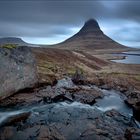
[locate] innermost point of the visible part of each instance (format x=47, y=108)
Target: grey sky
x=44, y=21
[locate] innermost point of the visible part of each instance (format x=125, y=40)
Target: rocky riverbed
x=67, y=111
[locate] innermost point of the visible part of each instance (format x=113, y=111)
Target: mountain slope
x=90, y=37
x=12, y=40
x=15, y=40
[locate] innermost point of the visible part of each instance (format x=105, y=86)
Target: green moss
x=71, y=71
x=48, y=67
x=9, y=46
x=137, y=77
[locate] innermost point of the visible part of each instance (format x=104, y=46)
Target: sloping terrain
x=57, y=62
x=11, y=40
x=90, y=37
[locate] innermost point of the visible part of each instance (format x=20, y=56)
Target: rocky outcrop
x=70, y=122
x=133, y=97
x=64, y=90
x=78, y=77
x=17, y=70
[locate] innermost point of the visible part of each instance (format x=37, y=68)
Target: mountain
x=90, y=37
x=17, y=41
x=12, y=40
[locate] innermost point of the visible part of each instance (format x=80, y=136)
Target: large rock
x=17, y=70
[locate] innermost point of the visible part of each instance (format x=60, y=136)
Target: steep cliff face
x=90, y=37
x=17, y=70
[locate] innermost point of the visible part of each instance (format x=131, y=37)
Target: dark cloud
x=45, y=18
x=27, y=16
x=129, y=10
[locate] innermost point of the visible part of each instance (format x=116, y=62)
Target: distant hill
x=90, y=37
x=16, y=40
x=12, y=40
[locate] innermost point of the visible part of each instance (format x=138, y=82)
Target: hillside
x=90, y=37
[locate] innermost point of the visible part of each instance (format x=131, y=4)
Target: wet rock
x=132, y=97
x=65, y=90
x=16, y=118
x=132, y=133
x=17, y=70
x=49, y=133
x=112, y=113
x=62, y=97
x=7, y=132
x=85, y=95
x=136, y=111
x=38, y=132
x=74, y=121
x=65, y=83
x=49, y=94
x=94, y=133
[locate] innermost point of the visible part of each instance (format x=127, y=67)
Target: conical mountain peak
x=91, y=37
x=90, y=28
x=92, y=23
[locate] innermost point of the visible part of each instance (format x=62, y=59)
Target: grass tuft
x=9, y=46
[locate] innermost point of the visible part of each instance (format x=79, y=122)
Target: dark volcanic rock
x=132, y=133
x=17, y=70
x=70, y=122
x=37, y=132
x=16, y=118
x=7, y=133
x=132, y=97
x=64, y=90
x=136, y=111
x=85, y=95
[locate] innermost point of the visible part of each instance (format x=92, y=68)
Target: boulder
x=17, y=70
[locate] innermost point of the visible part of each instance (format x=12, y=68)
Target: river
x=112, y=100
x=131, y=57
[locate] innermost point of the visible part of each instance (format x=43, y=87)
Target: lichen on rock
x=17, y=70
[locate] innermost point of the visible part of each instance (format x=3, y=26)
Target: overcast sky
x=49, y=22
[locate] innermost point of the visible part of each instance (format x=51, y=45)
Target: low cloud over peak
x=51, y=21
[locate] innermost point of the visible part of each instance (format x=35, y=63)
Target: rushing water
x=112, y=100
x=131, y=57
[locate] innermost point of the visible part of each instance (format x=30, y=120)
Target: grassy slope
x=57, y=63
